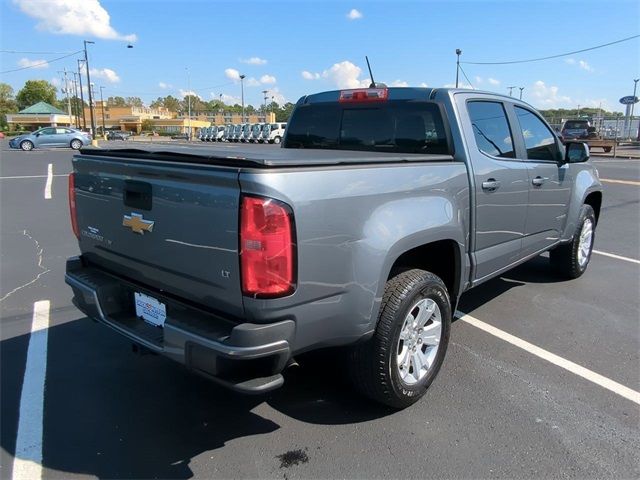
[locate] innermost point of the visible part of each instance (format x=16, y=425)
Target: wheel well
x=441, y=258
x=595, y=200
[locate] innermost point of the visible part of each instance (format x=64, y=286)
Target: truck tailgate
x=171, y=227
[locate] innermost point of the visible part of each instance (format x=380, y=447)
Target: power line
x=34, y=53
x=465, y=76
x=41, y=63
x=554, y=56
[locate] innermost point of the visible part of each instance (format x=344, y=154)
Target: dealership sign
x=629, y=99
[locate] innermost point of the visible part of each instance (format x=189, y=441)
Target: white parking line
x=585, y=373
x=34, y=176
x=621, y=182
x=27, y=462
x=617, y=257
x=47, y=185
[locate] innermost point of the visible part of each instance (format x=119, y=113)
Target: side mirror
x=591, y=129
x=577, y=152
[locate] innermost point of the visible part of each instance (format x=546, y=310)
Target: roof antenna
x=373, y=83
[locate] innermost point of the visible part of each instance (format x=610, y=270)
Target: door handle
x=491, y=185
x=539, y=181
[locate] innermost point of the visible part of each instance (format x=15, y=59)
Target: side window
x=61, y=131
x=538, y=139
x=491, y=129
x=47, y=131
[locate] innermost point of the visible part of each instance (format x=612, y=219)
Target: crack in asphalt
x=39, y=252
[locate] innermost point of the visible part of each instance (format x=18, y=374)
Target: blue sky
x=301, y=47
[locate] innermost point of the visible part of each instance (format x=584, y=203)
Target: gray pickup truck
x=381, y=208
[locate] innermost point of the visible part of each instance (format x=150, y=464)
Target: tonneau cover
x=260, y=156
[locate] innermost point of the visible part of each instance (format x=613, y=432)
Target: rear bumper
x=242, y=356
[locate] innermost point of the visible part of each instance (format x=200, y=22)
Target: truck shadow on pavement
x=113, y=414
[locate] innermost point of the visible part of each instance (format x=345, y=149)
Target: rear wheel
x=76, y=144
x=277, y=140
x=571, y=260
x=26, y=145
x=397, y=365
x=607, y=149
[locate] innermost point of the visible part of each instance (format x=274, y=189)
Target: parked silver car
x=51, y=137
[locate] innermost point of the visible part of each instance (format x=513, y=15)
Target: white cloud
x=493, y=81
x=232, y=74
x=354, y=14
x=345, y=75
x=26, y=63
x=398, y=83
x=543, y=96
x=105, y=74
x=570, y=61
x=277, y=96
x=164, y=86
x=254, y=61
x=478, y=79
x=585, y=66
x=55, y=81
x=72, y=17
x=183, y=93
x=423, y=85
x=310, y=75
x=230, y=99
x=252, y=82
x=267, y=79
x=460, y=85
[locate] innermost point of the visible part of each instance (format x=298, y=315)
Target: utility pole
x=84, y=118
x=458, y=53
x=511, y=91
x=93, y=120
x=264, y=111
x=521, y=89
x=102, y=104
x=242, y=90
x=66, y=91
x=75, y=99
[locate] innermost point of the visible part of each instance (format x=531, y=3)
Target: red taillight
x=72, y=205
x=266, y=248
x=363, y=95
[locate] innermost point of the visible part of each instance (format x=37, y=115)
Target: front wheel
x=76, y=144
x=571, y=260
x=399, y=363
x=26, y=145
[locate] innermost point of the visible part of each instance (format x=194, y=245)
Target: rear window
x=575, y=125
x=402, y=127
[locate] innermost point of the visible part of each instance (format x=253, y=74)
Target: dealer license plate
x=150, y=310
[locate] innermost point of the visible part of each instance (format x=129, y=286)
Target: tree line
x=35, y=91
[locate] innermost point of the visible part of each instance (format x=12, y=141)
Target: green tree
x=283, y=113
x=116, y=102
x=197, y=105
x=35, y=91
x=134, y=102
x=7, y=103
x=147, y=125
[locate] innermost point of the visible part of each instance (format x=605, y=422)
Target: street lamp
x=264, y=111
x=635, y=85
x=242, y=93
x=93, y=120
x=458, y=53
x=521, y=89
x=188, y=103
x=511, y=90
x=84, y=118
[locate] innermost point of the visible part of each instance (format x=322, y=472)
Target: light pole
x=521, y=89
x=93, y=120
x=84, y=118
x=264, y=111
x=242, y=94
x=102, y=104
x=635, y=85
x=511, y=90
x=188, y=104
x=458, y=53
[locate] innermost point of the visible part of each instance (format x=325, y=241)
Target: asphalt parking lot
x=497, y=409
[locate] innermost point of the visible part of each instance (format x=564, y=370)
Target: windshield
x=238, y=129
x=266, y=129
x=257, y=128
x=575, y=125
x=402, y=127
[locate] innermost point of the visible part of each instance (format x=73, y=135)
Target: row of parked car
x=244, y=132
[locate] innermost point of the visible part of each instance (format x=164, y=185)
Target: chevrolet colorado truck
x=382, y=206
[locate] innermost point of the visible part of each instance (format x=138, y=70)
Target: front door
x=46, y=137
x=501, y=186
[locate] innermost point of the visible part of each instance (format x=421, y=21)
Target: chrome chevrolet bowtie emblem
x=138, y=224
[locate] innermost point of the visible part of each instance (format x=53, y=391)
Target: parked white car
x=273, y=132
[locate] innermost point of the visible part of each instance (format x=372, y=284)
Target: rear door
x=550, y=182
x=501, y=184
x=169, y=227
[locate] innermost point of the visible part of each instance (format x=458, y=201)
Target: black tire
x=565, y=259
x=607, y=149
x=373, y=364
x=76, y=144
x=26, y=145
